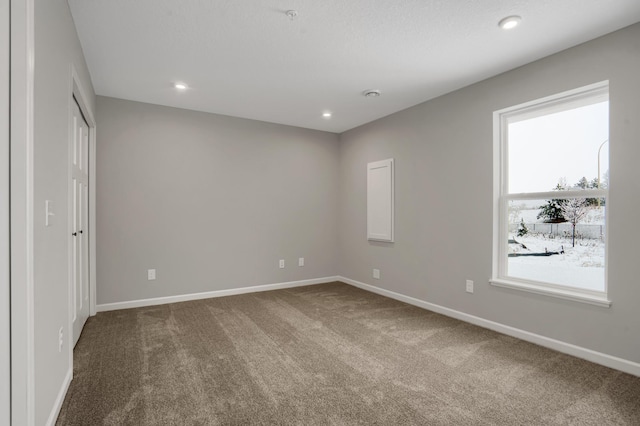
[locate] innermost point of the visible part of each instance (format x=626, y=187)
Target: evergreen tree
x=551, y=212
x=583, y=183
x=522, y=229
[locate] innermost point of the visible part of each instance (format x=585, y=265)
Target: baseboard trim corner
x=210, y=294
x=557, y=345
x=55, y=410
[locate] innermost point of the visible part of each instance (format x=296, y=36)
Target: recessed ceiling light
x=510, y=22
x=180, y=86
x=292, y=14
x=371, y=93
x=326, y=114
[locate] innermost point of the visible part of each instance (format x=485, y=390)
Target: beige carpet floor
x=328, y=354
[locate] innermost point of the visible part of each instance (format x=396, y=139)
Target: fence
x=562, y=229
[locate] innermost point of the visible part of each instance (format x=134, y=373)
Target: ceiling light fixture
x=371, y=93
x=326, y=114
x=180, y=86
x=509, y=22
x=292, y=14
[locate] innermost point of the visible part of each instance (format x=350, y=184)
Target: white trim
x=557, y=345
x=5, y=189
x=79, y=93
x=210, y=294
x=81, y=97
x=570, y=193
x=574, y=98
x=22, y=225
x=55, y=410
x=596, y=298
x=92, y=218
x=70, y=207
x=498, y=236
x=373, y=203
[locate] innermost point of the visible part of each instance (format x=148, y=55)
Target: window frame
x=571, y=99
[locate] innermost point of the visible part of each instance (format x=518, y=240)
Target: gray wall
x=56, y=49
x=5, y=339
x=211, y=202
x=443, y=189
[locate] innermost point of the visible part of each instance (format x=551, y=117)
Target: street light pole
x=600, y=149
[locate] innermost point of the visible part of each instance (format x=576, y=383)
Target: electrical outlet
x=60, y=338
x=151, y=274
x=301, y=261
x=376, y=274
x=281, y=263
x=469, y=286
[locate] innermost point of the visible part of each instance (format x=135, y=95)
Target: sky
x=562, y=145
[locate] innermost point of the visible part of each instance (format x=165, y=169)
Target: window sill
x=567, y=294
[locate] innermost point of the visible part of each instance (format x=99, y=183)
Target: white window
x=551, y=168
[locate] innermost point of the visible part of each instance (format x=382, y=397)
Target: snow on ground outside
x=581, y=266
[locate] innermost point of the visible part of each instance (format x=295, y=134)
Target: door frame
x=21, y=142
x=77, y=94
x=22, y=55
x=5, y=254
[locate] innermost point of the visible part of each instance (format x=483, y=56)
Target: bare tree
x=574, y=210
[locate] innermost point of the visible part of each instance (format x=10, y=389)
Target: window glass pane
x=561, y=147
x=544, y=245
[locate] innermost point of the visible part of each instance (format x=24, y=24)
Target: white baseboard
x=209, y=294
x=53, y=416
x=567, y=348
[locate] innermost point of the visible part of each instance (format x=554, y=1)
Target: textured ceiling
x=246, y=58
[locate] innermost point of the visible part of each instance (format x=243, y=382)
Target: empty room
x=363, y=212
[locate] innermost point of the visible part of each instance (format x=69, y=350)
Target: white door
x=79, y=215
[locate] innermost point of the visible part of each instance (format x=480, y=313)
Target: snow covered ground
x=580, y=266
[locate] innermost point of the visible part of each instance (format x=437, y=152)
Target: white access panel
x=380, y=200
